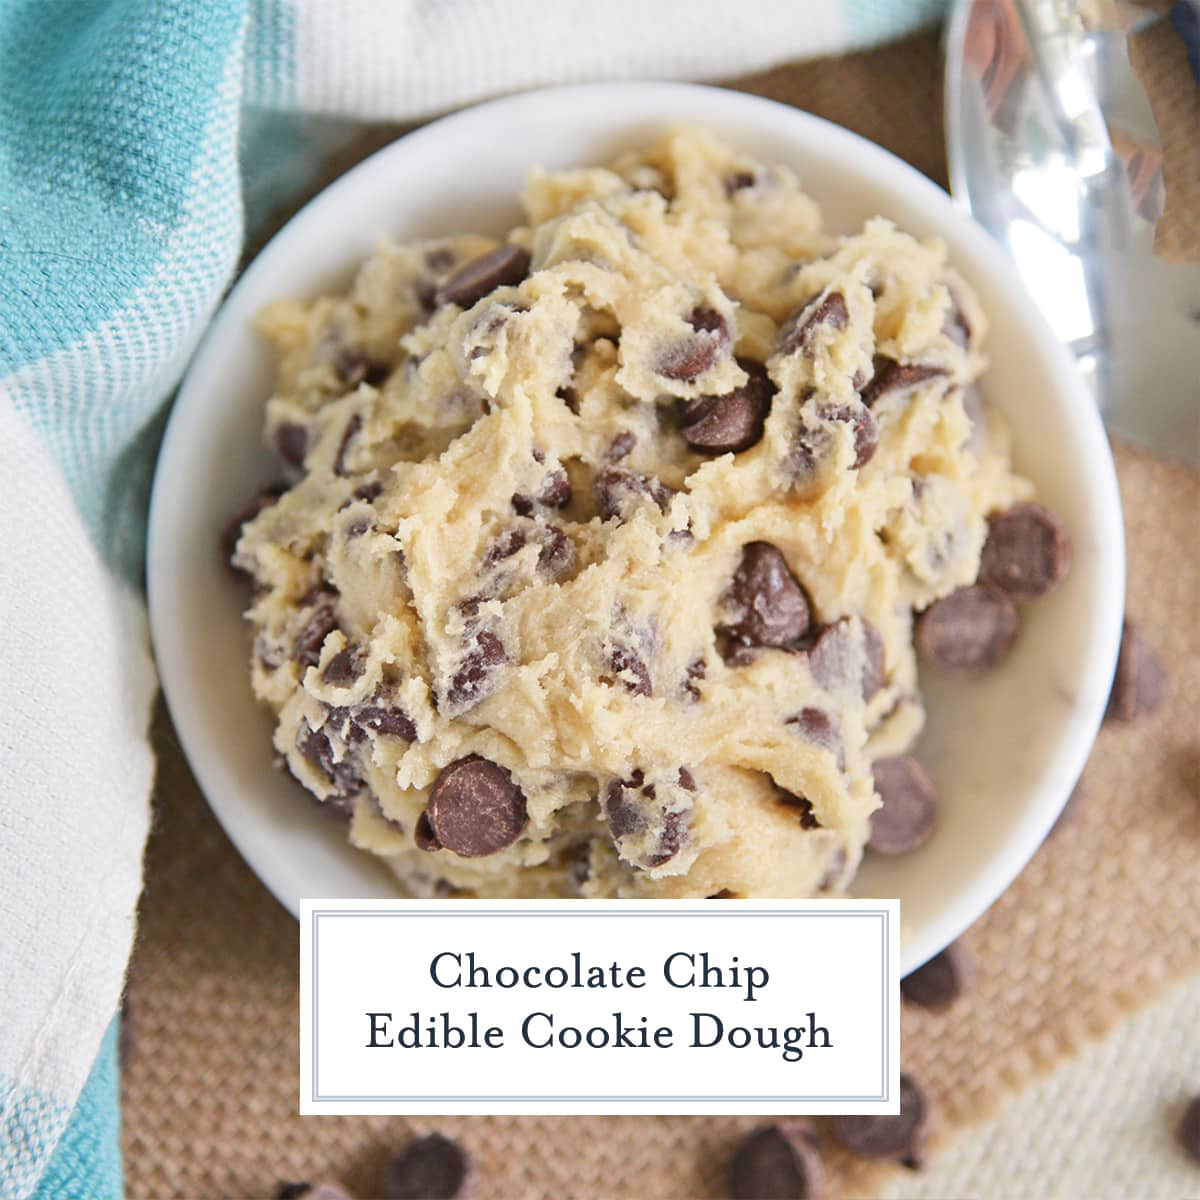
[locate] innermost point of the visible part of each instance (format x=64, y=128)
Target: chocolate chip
x=625, y=816
x=467, y=686
x=940, y=981
x=233, y=529
x=311, y=1191
x=864, y=426
x=423, y=834
x=969, y=630
x=569, y=396
x=619, y=491
x=291, y=443
x=803, y=807
x=353, y=427
x=771, y=607
x=441, y=258
x=832, y=655
x=557, y=555
x=689, y=359
x=555, y=491
x=737, y=181
x=1189, y=1130
x=384, y=719
x=430, y=1168
x=1140, y=683
x=475, y=809
x=887, y=1137
x=315, y=748
x=620, y=446
x=892, y=376
x=631, y=668
x=505, y=545
x=1027, y=552
x=697, y=669
x=817, y=726
x=504, y=266
x=344, y=667
x=310, y=639
x=733, y=421
x=909, y=811
x=771, y=1165
x=829, y=310
x=368, y=491
x=353, y=367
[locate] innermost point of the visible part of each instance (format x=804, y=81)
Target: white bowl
x=1005, y=751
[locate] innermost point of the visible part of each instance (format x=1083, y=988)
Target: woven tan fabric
x=1098, y=924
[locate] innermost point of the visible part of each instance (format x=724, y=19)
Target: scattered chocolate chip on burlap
x=899, y=1137
x=430, y=1168
x=940, y=981
x=1140, y=684
x=776, y=1162
x=1189, y=1129
x=312, y=1191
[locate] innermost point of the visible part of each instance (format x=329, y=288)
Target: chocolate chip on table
x=897, y=1137
x=475, y=809
x=909, y=811
x=291, y=443
x=311, y=1191
x=731, y=422
x=969, y=630
x=233, y=528
x=771, y=1163
x=619, y=490
x=429, y=1168
x=687, y=360
x=829, y=310
x=940, y=981
x=771, y=607
x=832, y=655
x=1140, y=683
x=892, y=376
x=1189, y=1130
x=1027, y=552
x=507, y=265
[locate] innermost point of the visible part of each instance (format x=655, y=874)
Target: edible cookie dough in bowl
x=613, y=544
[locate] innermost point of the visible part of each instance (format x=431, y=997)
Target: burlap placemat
x=1101, y=920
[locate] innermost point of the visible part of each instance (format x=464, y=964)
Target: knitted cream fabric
x=1098, y=925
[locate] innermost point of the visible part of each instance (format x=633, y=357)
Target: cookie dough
x=596, y=566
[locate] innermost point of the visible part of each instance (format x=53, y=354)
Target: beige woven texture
x=1103, y=918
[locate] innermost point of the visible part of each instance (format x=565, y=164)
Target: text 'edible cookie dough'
x=596, y=568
